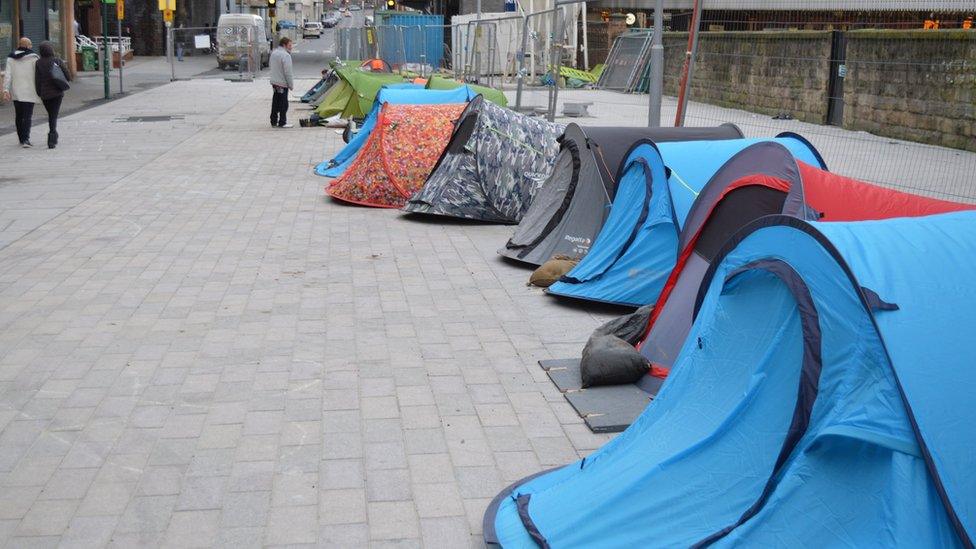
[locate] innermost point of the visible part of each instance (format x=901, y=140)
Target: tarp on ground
x=353, y=95
x=822, y=399
x=398, y=95
x=568, y=212
x=638, y=246
x=398, y=156
x=495, y=162
x=437, y=82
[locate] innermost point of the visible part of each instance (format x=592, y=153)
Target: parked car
x=312, y=29
x=233, y=31
x=286, y=24
x=331, y=20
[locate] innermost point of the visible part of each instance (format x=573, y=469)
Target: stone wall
x=914, y=85
x=765, y=72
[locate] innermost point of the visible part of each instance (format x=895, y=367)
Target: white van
x=233, y=33
x=312, y=29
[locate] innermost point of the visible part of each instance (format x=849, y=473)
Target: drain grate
x=153, y=118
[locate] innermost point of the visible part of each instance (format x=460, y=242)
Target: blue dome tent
x=822, y=398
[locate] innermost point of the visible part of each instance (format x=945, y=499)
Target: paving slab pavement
x=198, y=348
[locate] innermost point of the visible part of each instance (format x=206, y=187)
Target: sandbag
x=549, y=272
x=609, y=360
x=629, y=328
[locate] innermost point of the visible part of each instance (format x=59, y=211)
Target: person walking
x=20, y=86
x=52, y=77
x=281, y=81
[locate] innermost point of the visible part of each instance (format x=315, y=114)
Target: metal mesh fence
x=885, y=93
x=356, y=43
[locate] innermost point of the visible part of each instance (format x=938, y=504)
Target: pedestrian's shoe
x=287, y=126
x=26, y=144
x=52, y=140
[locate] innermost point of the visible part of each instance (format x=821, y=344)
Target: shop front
x=38, y=20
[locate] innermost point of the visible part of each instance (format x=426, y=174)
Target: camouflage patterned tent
x=495, y=162
x=399, y=155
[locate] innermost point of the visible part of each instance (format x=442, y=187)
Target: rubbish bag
x=609, y=360
x=549, y=272
x=629, y=328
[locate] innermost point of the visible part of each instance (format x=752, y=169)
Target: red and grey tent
x=399, y=155
x=763, y=179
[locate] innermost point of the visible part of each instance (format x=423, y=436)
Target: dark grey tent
x=492, y=167
x=567, y=213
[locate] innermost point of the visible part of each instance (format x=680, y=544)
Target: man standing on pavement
x=281, y=81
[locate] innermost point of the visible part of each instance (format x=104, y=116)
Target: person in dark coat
x=49, y=90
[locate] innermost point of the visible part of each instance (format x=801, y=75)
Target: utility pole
x=656, y=86
x=105, y=61
x=689, y=66
x=120, y=13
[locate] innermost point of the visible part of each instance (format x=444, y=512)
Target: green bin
x=89, y=58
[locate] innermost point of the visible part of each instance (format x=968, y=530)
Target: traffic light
x=271, y=8
x=390, y=4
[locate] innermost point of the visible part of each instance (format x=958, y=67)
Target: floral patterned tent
x=399, y=155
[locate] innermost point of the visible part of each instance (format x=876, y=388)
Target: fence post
x=423, y=50
x=554, y=62
x=169, y=51
x=520, y=75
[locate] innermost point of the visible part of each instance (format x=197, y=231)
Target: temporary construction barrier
x=628, y=61
x=800, y=411
x=414, y=95
x=398, y=155
x=638, y=246
x=437, y=82
x=354, y=94
x=495, y=162
x=762, y=179
x=568, y=212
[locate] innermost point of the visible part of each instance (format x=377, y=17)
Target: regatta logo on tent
x=581, y=244
x=578, y=240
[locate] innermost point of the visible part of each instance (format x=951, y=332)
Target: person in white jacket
x=19, y=85
x=282, y=80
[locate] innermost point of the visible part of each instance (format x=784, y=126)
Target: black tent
x=569, y=210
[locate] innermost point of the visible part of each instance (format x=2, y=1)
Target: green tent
x=353, y=96
x=436, y=82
